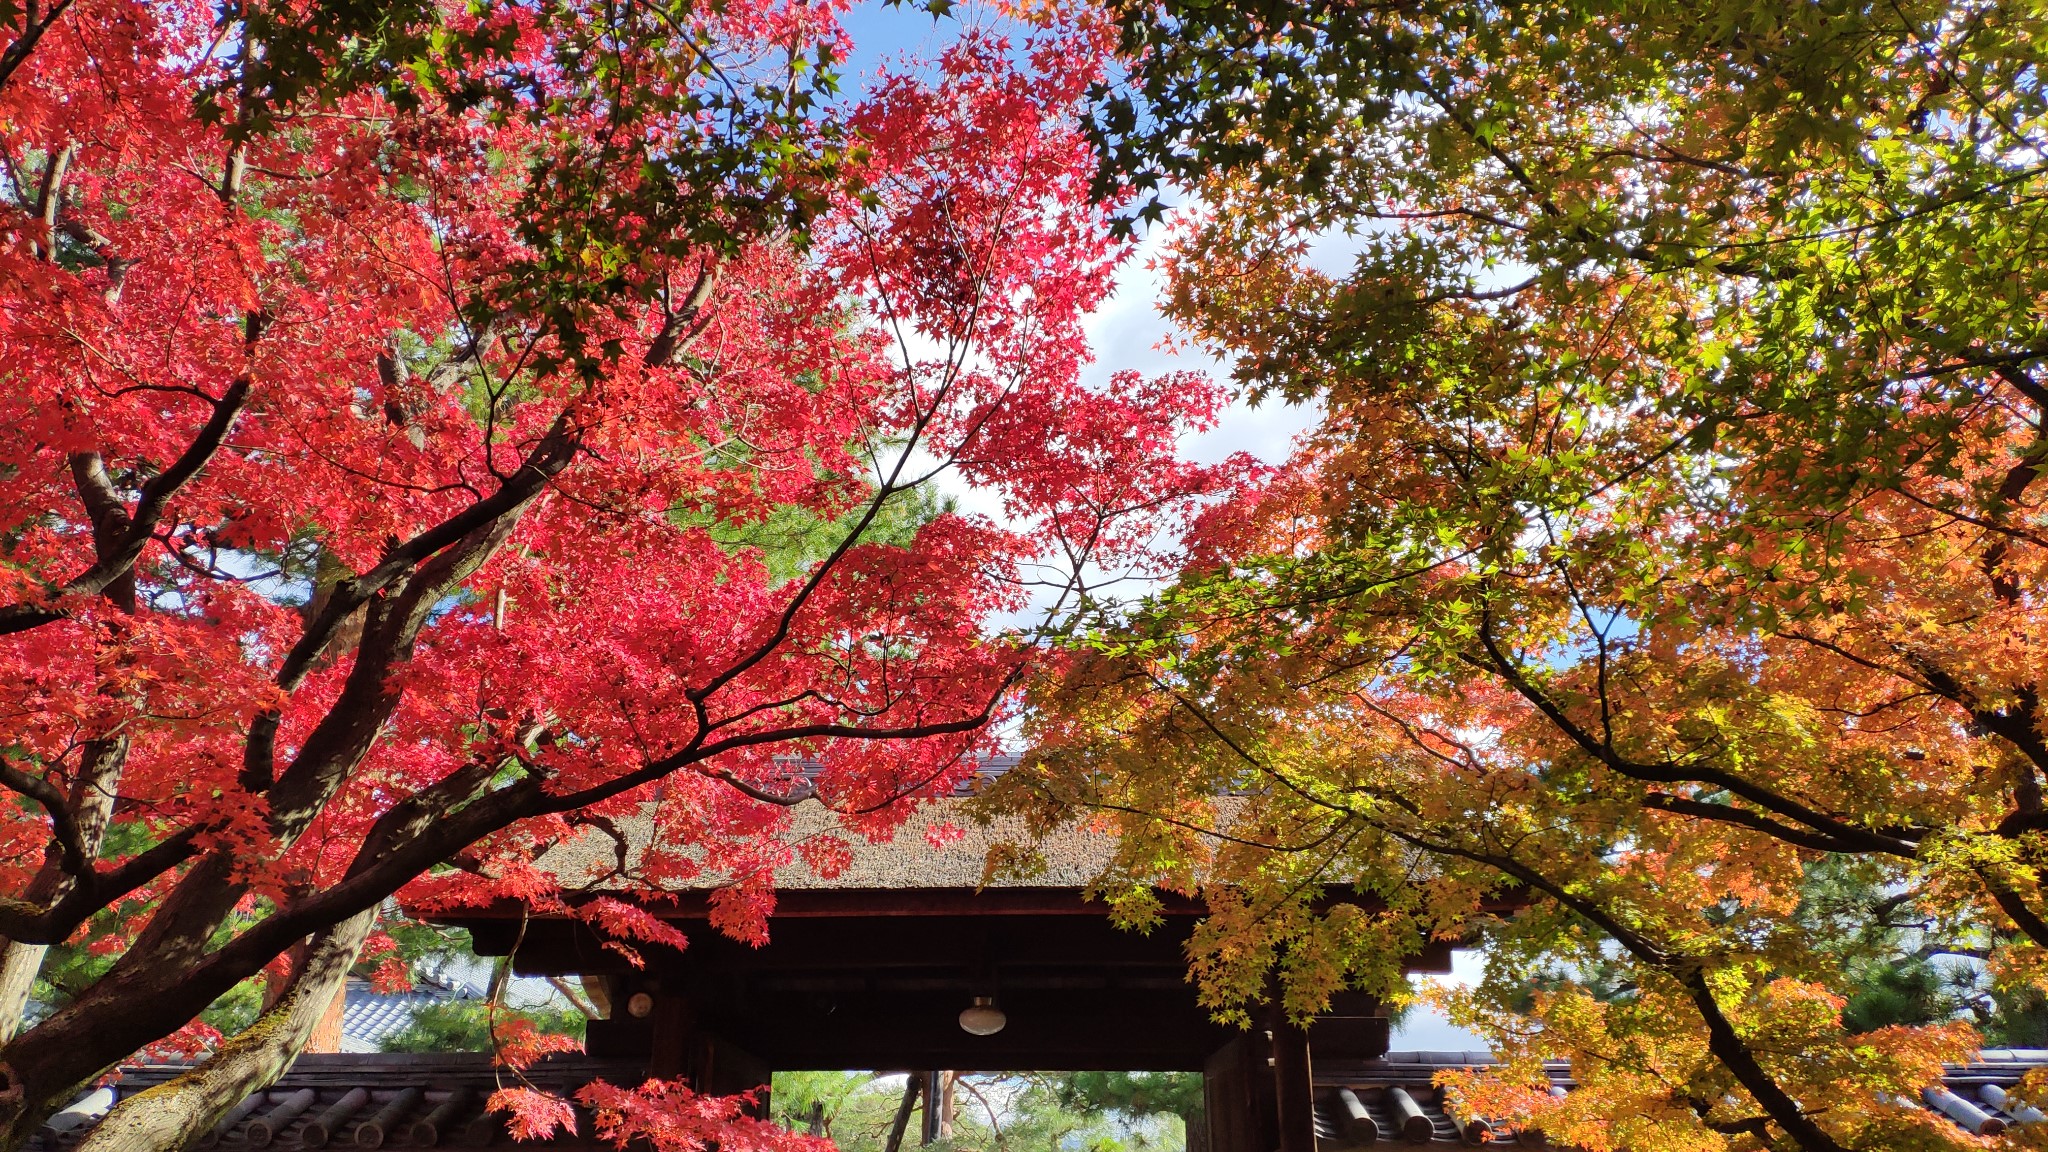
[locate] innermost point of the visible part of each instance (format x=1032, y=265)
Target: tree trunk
x=101, y=761
x=327, y=1034
x=170, y=975
x=151, y=992
x=91, y=802
x=173, y=969
x=173, y=1116
x=19, y=964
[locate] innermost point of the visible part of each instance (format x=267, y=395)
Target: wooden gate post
x=1293, y=1085
x=929, y=1133
x=1237, y=1097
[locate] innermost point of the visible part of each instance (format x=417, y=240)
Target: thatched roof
x=940, y=846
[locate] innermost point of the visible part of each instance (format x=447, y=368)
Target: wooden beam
x=802, y=903
x=1076, y=1029
x=551, y=947
x=850, y=944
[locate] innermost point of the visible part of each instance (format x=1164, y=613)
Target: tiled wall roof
x=369, y=1017
x=406, y=1101
x=362, y=1100
x=1392, y=1100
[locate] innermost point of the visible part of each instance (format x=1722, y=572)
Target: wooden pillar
x=1293, y=1085
x=676, y=1043
x=1237, y=1097
x=932, y=1092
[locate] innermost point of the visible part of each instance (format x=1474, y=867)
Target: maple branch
x=1413, y=736
x=550, y=455
x=772, y=705
x=1486, y=143
x=1209, y=831
x=1802, y=837
x=103, y=505
x=368, y=881
x=108, y=515
x=2017, y=724
x=1757, y=1126
x=1723, y=1040
x=32, y=30
x=2007, y=530
x=449, y=370
x=70, y=838
x=102, y=248
x=698, y=753
x=93, y=890
x=50, y=202
x=96, y=889
x=344, y=733
x=621, y=847
x=1478, y=295
x=370, y=694
x=814, y=581
x=140, y=525
x=1858, y=659
x=672, y=338
x=1202, y=716
x=887, y=489
x=1599, y=632
x=2013, y=489
x=1671, y=771
x=2000, y=362
x=2009, y=370
x=413, y=815
x=2015, y=907
x=1666, y=154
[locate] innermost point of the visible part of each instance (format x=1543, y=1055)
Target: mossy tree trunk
x=174, y=1115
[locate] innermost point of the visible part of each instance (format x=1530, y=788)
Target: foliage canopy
x=430, y=431
x=1671, y=534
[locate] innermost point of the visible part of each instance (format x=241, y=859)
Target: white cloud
x=1130, y=333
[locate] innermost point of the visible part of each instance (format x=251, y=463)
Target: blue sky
x=881, y=31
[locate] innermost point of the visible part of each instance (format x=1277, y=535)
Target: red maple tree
x=398, y=408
